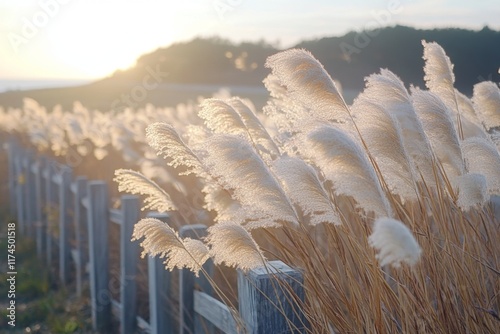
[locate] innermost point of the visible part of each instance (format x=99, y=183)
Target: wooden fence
x=53, y=207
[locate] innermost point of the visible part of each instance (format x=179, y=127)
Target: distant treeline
x=215, y=61
x=350, y=58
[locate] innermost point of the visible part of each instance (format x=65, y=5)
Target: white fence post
x=128, y=264
x=190, y=322
x=79, y=219
x=20, y=199
x=39, y=205
x=64, y=221
x=160, y=310
x=30, y=193
x=267, y=299
x=98, y=254
x=11, y=152
x=49, y=208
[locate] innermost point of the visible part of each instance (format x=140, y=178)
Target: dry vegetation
x=386, y=204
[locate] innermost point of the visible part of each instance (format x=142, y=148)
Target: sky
x=90, y=39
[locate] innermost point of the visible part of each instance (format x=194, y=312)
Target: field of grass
x=385, y=204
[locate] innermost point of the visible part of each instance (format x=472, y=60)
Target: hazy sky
x=86, y=39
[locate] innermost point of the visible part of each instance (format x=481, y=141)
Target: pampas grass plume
x=220, y=117
x=344, y=162
x=168, y=143
x=160, y=239
x=472, y=191
x=382, y=134
x=233, y=245
x=394, y=242
x=482, y=157
x=302, y=185
x=486, y=100
x=236, y=166
x=307, y=81
x=438, y=126
x=261, y=138
x=136, y=183
x=439, y=77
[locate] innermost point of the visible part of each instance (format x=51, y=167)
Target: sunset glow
x=92, y=39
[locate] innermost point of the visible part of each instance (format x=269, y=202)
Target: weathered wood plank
x=39, y=205
x=28, y=193
x=266, y=299
x=80, y=186
x=160, y=315
x=20, y=199
x=189, y=323
x=214, y=312
x=64, y=221
x=49, y=200
x=11, y=153
x=32, y=193
x=130, y=213
x=98, y=255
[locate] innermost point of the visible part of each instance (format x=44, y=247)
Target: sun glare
x=91, y=41
x=96, y=46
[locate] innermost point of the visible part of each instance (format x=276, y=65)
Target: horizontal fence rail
x=53, y=207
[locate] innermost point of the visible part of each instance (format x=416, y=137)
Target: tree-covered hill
x=349, y=59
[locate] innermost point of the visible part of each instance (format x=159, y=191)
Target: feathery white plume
x=344, y=163
x=467, y=108
x=236, y=166
x=307, y=81
x=168, y=143
x=389, y=92
x=235, y=117
x=439, y=77
x=482, y=157
x=382, y=135
x=486, y=100
x=472, y=191
x=286, y=113
x=160, y=239
x=394, y=242
x=256, y=130
x=470, y=124
x=220, y=117
x=219, y=200
x=438, y=126
x=303, y=187
x=274, y=86
x=233, y=245
x=196, y=134
x=136, y=183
